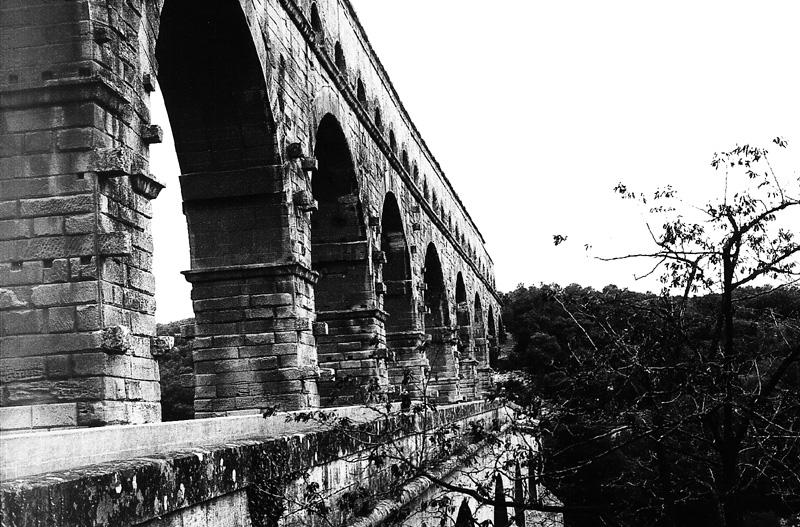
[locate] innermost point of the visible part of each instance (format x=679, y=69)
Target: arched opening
x=437, y=313
x=338, y=233
x=392, y=141
x=361, y=94
x=494, y=348
x=344, y=292
x=404, y=159
x=338, y=58
x=462, y=314
x=443, y=380
x=398, y=300
x=316, y=22
x=378, y=119
x=213, y=87
x=479, y=331
x=415, y=172
x=212, y=82
x=425, y=191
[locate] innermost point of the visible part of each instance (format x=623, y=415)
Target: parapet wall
x=232, y=479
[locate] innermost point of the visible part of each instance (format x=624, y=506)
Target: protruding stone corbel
x=116, y=340
x=320, y=329
x=303, y=324
x=416, y=226
x=304, y=201
x=146, y=185
x=148, y=84
x=160, y=345
x=380, y=288
x=152, y=134
x=327, y=374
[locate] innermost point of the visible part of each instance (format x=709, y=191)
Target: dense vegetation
x=175, y=366
x=627, y=383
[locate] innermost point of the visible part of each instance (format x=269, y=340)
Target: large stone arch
x=403, y=338
x=345, y=296
x=441, y=350
x=466, y=341
x=246, y=86
x=211, y=73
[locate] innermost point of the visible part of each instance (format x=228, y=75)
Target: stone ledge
x=236, y=272
x=130, y=491
x=31, y=453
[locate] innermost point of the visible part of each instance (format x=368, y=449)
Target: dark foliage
x=625, y=383
x=176, y=369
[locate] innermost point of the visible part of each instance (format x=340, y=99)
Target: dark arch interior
x=378, y=120
x=462, y=313
x=437, y=313
x=338, y=57
x=462, y=308
x=361, y=92
x=338, y=233
x=478, y=328
x=215, y=94
x=316, y=22
x=398, y=301
x=493, y=351
x=213, y=87
x=392, y=141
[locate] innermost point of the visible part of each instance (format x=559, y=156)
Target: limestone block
x=15, y=418
x=60, y=319
x=60, y=294
x=117, y=340
x=54, y=415
x=9, y=300
x=22, y=322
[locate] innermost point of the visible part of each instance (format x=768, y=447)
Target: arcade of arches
x=324, y=270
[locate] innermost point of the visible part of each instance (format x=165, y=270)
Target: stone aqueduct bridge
x=331, y=260
x=327, y=246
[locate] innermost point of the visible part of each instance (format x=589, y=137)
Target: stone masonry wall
x=76, y=283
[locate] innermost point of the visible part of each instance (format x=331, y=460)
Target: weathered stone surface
x=222, y=483
x=287, y=271
x=161, y=344
x=9, y=300
x=117, y=340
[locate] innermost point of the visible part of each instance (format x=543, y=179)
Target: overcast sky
x=536, y=110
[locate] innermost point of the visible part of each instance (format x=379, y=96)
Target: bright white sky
x=536, y=109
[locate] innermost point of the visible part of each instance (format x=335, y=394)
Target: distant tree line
x=627, y=394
